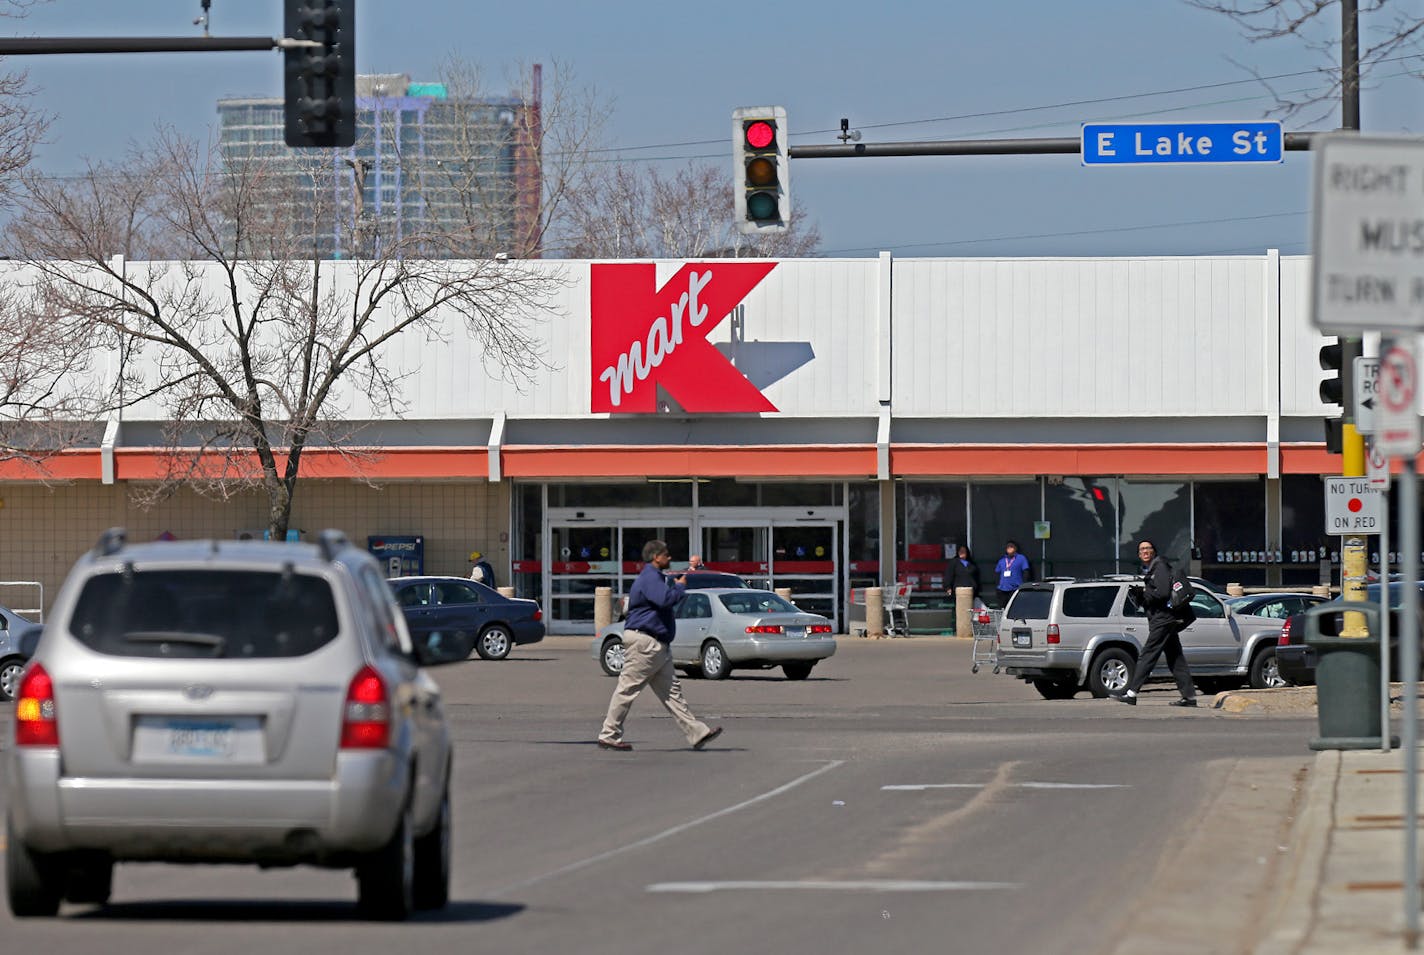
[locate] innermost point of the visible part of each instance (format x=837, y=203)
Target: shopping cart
x=896, y=604
x=986, y=637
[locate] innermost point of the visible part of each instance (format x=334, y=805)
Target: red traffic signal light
x=761, y=169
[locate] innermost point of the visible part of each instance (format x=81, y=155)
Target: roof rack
x=111, y=541
x=330, y=541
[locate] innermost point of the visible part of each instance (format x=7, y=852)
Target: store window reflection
x=1302, y=529
x=1231, y=530
x=1001, y=512
x=1159, y=511
x=1082, y=526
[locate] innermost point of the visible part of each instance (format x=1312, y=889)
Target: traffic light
x=321, y=80
x=1332, y=392
x=1332, y=388
x=761, y=169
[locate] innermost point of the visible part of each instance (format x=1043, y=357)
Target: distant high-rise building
x=436, y=174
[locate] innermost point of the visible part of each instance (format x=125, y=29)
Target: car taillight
x=36, y=720
x=538, y=614
x=819, y=628
x=1053, y=633
x=764, y=628
x=366, y=723
x=1284, y=639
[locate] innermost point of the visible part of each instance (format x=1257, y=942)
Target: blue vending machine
x=401, y=555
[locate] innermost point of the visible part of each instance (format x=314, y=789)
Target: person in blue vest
x=1009, y=573
x=483, y=571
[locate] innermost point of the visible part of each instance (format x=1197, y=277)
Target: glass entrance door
x=738, y=547
x=803, y=558
x=633, y=535
x=580, y=558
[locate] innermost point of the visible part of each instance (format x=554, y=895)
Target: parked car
x=1297, y=661
x=1277, y=606
x=1063, y=636
x=12, y=661
x=440, y=608
x=723, y=629
x=228, y=702
x=694, y=580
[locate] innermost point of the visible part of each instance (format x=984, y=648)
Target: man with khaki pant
x=649, y=628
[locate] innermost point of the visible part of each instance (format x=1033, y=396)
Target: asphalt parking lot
x=893, y=802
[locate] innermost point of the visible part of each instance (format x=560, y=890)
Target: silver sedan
x=722, y=629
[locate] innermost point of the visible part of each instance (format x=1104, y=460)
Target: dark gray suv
x=228, y=702
x=1063, y=636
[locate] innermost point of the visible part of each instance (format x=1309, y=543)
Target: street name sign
x=1366, y=379
x=1127, y=144
x=1397, y=417
x=1352, y=506
x=1368, y=233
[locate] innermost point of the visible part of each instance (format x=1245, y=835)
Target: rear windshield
x=1089, y=601
x=1029, y=604
x=702, y=580
x=205, y=613
x=755, y=601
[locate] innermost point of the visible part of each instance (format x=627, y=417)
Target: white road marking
x=918, y=787
x=666, y=833
x=855, y=885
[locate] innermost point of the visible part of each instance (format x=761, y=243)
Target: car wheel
x=495, y=642
x=1056, y=689
x=432, y=860
x=714, y=661
x=797, y=671
x=10, y=670
x=385, y=879
x=610, y=656
x=34, y=882
x=90, y=882
x=1110, y=672
x=1265, y=673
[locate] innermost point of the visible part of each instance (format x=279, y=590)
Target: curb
x=1294, y=913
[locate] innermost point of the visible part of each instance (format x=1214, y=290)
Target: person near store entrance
x=963, y=573
x=1164, y=627
x=647, y=633
x=695, y=563
x=483, y=571
x=1009, y=573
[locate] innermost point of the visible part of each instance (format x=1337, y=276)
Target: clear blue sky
x=897, y=70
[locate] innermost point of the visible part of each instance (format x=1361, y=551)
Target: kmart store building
x=815, y=424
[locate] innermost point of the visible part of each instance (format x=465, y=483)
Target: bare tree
x=22, y=125
x=252, y=347
x=1390, y=33
x=634, y=211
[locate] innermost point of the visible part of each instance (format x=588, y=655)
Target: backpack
x=1181, y=595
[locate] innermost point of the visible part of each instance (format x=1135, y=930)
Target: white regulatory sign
x=1376, y=467
x=1366, y=377
x=1369, y=209
x=1397, y=397
x=1352, y=506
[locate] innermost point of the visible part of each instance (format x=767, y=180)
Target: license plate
x=1023, y=638
x=796, y=631
x=182, y=739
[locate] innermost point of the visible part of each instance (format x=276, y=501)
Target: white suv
x=1069, y=635
x=228, y=702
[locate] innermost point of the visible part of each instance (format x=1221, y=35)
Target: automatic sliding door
x=742, y=548
x=803, y=559
x=633, y=535
x=581, y=559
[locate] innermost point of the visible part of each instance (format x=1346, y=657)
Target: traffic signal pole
x=21, y=46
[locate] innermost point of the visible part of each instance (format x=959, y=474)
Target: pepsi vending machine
x=401, y=555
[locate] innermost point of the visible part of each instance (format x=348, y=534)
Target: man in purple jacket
x=649, y=628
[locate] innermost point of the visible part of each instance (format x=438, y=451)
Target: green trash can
x=1347, y=677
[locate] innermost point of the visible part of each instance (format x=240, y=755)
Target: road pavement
x=894, y=802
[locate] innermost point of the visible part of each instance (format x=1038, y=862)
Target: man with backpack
x=1167, y=599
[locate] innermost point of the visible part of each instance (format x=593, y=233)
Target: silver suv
x=1069, y=635
x=228, y=702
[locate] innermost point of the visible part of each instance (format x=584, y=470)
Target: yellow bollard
x=874, y=613
x=785, y=594
x=964, y=611
x=602, y=608
x=1235, y=590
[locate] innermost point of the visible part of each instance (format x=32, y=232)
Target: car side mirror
x=29, y=638
x=444, y=647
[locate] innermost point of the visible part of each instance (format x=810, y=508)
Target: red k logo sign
x=643, y=336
